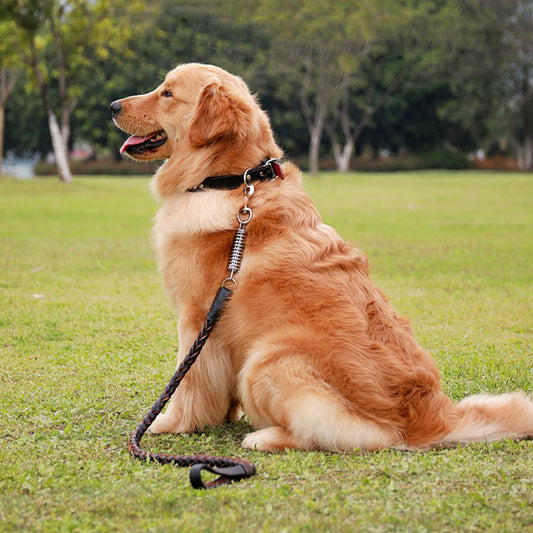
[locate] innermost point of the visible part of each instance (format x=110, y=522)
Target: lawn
x=88, y=341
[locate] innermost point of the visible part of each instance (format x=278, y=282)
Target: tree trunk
x=314, y=150
x=315, y=132
x=59, y=134
x=7, y=84
x=525, y=154
x=343, y=157
x=65, y=136
x=60, y=150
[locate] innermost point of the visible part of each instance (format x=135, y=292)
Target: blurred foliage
x=398, y=76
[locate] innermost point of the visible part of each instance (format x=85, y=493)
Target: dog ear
x=219, y=114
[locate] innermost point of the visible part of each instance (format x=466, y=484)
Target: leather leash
x=228, y=469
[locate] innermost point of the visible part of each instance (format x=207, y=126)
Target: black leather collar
x=267, y=170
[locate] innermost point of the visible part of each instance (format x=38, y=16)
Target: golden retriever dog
x=307, y=346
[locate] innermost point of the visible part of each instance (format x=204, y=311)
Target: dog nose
x=116, y=108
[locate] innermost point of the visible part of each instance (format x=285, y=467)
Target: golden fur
x=307, y=346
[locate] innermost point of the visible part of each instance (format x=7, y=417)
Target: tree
x=357, y=104
x=56, y=38
x=8, y=75
x=486, y=54
x=318, y=45
x=26, y=123
x=355, y=70
x=396, y=45
x=324, y=47
x=517, y=81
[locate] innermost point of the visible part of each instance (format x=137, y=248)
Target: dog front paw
x=168, y=424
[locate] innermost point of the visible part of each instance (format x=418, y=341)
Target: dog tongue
x=135, y=139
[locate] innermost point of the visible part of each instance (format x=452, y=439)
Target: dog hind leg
x=271, y=439
x=296, y=409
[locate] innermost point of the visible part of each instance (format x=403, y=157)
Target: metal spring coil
x=237, y=250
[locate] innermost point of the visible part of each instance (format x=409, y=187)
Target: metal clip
x=244, y=216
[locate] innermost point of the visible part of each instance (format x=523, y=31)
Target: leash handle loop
x=226, y=475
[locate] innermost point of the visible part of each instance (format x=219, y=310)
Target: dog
x=307, y=346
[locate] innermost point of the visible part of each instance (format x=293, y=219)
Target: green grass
x=88, y=340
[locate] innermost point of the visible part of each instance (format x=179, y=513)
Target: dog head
x=202, y=119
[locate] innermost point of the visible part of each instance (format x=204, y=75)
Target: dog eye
x=166, y=93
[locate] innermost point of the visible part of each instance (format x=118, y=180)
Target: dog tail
x=485, y=418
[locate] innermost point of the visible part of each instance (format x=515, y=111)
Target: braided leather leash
x=228, y=469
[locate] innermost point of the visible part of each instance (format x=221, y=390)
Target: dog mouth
x=137, y=145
